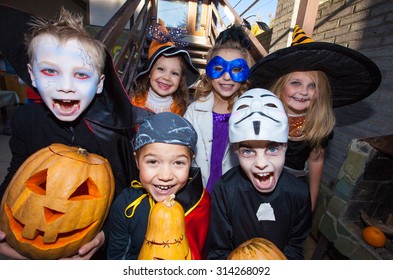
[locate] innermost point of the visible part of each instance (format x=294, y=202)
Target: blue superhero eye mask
x=237, y=69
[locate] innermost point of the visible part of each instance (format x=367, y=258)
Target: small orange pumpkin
x=257, y=249
x=374, y=236
x=56, y=202
x=166, y=233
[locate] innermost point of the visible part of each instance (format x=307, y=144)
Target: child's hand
x=7, y=250
x=88, y=250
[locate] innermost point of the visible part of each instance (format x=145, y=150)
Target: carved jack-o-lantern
x=56, y=202
x=166, y=233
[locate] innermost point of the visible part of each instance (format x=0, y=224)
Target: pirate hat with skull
x=258, y=114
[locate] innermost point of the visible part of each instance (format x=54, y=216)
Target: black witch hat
x=352, y=76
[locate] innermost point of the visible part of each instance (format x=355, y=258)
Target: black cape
x=111, y=116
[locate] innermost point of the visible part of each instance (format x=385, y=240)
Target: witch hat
x=164, y=43
x=352, y=76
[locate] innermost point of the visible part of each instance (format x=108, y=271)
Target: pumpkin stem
x=169, y=201
x=82, y=151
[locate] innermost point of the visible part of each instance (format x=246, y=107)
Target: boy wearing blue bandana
x=226, y=78
x=164, y=147
x=259, y=198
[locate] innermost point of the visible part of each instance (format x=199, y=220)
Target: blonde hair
x=67, y=26
x=320, y=119
x=204, y=86
x=180, y=96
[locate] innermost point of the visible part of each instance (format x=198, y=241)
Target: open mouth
x=300, y=99
x=42, y=240
x=264, y=180
x=164, y=86
x=226, y=86
x=164, y=188
x=66, y=105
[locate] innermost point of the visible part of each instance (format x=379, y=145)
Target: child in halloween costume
x=162, y=83
x=164, y=144
x=258, y=198
x=310, y=78
x=226, y=78
x=67, y=67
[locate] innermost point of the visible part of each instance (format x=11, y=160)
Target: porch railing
x=257, y=50
x=139, y=15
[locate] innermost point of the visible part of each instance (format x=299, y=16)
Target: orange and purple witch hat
x=164, y=43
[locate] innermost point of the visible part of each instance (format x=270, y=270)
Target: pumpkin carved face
x=56, y=202
x=166, y=233
x=257, y=249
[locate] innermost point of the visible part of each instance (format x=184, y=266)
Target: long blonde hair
x=204, y=86
x=320, y=119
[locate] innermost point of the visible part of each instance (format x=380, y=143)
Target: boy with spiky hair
x=67, y=67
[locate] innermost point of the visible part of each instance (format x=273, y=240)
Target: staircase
x=124, y=35
x=197, y=53
x=133, y=52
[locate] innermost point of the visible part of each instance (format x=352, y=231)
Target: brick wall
x=282, y=24
x=366, y=26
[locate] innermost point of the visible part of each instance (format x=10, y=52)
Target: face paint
x=65, y=76
x=237, y=68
